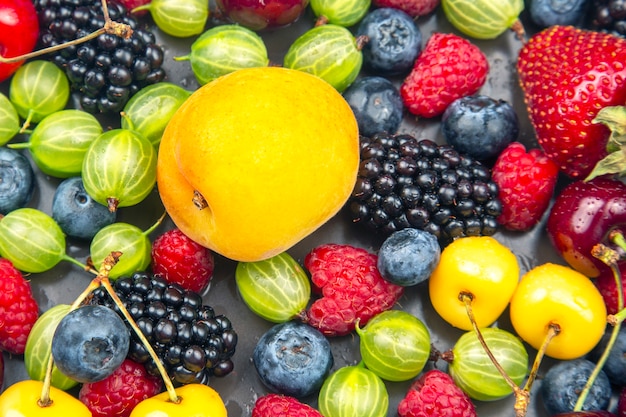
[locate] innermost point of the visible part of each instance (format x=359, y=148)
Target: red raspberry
x=413, y=8
x=449, y=67
x=18, y=308
x=605, y=282
x=120, y=392
x=351, y=286
x=180, y=260
x=277, y=405
x=436, y=394
x=526, y=181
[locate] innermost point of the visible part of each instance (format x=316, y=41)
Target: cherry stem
x=553, y=330
x=521, y=396
x=617, y=237
x=110, y=26
x=610, y=257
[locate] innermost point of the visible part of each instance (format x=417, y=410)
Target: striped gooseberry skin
x=395, y=345
x=341, y=12
x=276, y=289
x=59, y=142
x=39, y=88
x=329, y=52
x=149, y=110
x=38, y=348
x=224, y=49
x=133, y=242
x=119, y=169
x=181, y=18
x=476, y=375
x=482, y=19
x=353, y=391
x=9, y=120
x=31, y=240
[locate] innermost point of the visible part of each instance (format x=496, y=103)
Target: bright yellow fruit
x=256, y=160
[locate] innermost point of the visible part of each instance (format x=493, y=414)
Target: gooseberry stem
x=110, y=26
x=610, y=257
x=521, y=396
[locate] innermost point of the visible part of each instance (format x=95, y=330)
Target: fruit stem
x=553, y=330
x=83, y=266
x=610, y=257
x=617, y=237
x=110, y=26
x=518, y=28
x=156, y=224
x=26, y=123
x=521, y=396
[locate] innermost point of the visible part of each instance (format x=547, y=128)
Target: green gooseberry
x=9, y=120
x=340, y=12
x=474, y=372
x=482, y=19
x=59, y=142
x=180, y=18
x=119, y=168
x=276, y=289
x=224, y=49
x=395, y=345
x=330, y=52
x=151, y=108
x=38, y=88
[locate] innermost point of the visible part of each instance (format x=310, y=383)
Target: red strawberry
x=18, y=308
x=568, y=75
x=436, y=394
x=277, y=405
x=351, y=286
x=413, y=8
x=120, y=392
x=449, y=67
x=526, y=182
x=179, y=259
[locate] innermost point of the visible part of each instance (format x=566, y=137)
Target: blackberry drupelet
x=403, y=182
x=192, y=341
x=609, y=16
x=106, y=71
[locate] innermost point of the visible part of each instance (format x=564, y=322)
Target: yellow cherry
x=556, y=295
x=477, y=266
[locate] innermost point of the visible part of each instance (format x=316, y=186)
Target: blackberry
x=609, y=16
x=406, y=183
x=107, y=70
x=192, y=341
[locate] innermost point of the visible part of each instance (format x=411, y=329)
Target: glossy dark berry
x=376, y=104
x=192, y=341
x=609, y=16
x=17, y=180
x=76, y=212
x=403, y=182
x=564, y=381
x=546, y=13
x=615, y=365
x=293, y=358
x=106, y=71
x=480, y=126
x=394, y=41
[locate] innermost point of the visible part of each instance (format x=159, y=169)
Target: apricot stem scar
x=198, y=200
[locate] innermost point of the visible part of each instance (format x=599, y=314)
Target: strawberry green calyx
x=614, y=117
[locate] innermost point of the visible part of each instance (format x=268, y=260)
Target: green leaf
x=614, y=117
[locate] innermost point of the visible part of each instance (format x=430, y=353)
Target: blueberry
x=565, y=380
x=546, y=13
x=293, y=359
x=89, y=343
x=17, y=180
x=408, y=256
x=615, y=366
x=394, y=41
x=376, y=104
x=78, y=214
x=479, y=126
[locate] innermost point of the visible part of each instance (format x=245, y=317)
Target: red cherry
x=262, y=14
x=608, y=287
x=600, y=413
x=582, y=216
x=19, y=30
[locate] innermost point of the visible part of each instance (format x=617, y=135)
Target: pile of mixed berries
x=431, y=217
